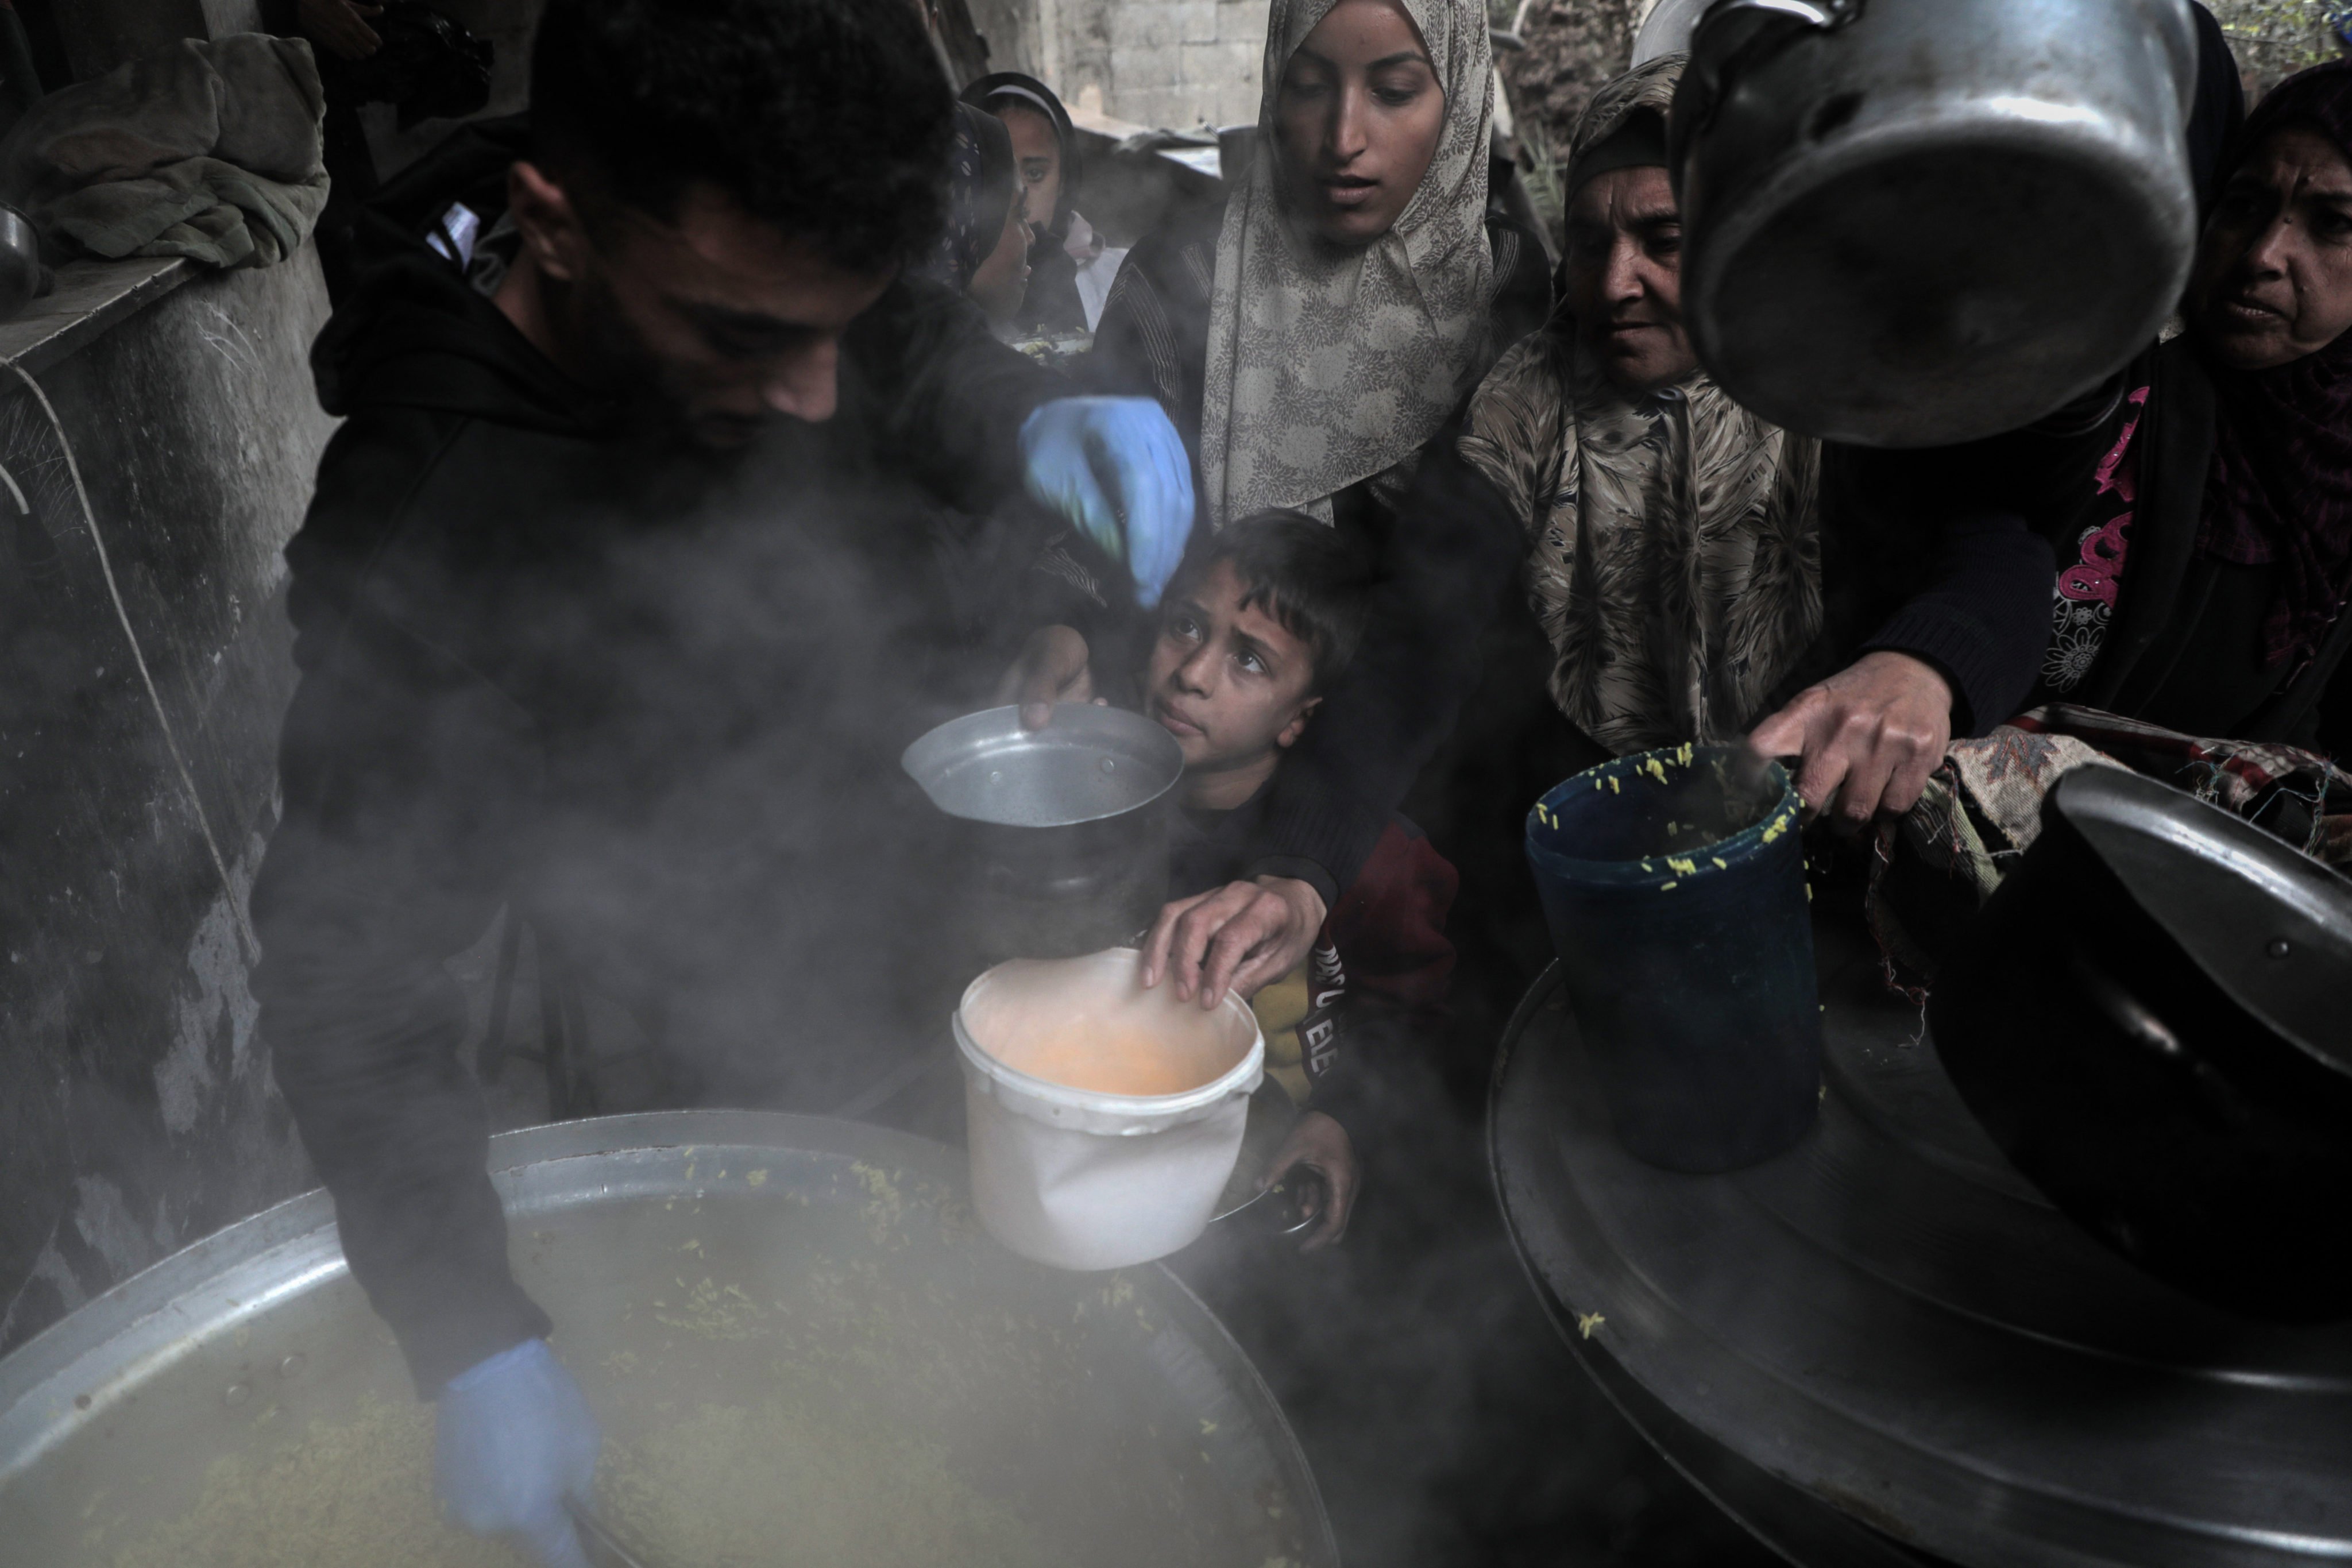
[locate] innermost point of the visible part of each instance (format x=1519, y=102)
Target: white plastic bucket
x=1083, y=1178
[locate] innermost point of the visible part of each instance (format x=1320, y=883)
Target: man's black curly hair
x=825, y=119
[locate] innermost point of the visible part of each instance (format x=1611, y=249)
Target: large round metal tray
x=690, y=1256
x=1884, y=1346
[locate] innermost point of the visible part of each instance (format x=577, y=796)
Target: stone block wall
x=1174, y=63
x=136, y=1108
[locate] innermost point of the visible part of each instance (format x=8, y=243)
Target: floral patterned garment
x=1982, y=808
x=1674, y=537
x=1674, y=541
x=2082, y=603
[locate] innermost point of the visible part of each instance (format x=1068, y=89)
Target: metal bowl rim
x=927, y=759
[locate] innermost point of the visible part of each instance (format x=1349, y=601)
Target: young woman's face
x=1037, y=152
x=1356, y=120
x=1003, y=280
x=2274, y=277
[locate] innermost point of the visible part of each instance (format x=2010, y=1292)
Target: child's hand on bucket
x=1242, y=936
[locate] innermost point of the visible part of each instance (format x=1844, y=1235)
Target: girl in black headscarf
x=1046, y=153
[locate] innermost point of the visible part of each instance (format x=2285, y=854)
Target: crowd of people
x=663, y=517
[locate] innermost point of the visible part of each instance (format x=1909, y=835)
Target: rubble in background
x=1572, y=48
x=2276, y=38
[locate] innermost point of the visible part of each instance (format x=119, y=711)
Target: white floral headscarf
x=1329, y=365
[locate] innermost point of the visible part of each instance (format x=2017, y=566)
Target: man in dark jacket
x=614, y=608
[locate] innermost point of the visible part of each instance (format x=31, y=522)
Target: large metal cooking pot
x=1067, y=841
x=1912, y=222
x=2150, y=1017
x=805, y=1305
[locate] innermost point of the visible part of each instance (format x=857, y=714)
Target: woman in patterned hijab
x=1334, y=354
x=1675, y=539
x=1314, y=333
x=1675, y=551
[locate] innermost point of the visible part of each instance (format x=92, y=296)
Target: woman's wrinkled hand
x=1052, y=667
x=1323, y=1146
x=1240, y=937
x=1868, y=738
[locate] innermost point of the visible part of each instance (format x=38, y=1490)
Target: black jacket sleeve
x=941, y=395
x=1454, y=555
x=1983, y=618
x=1921, y=557
x=406, y=777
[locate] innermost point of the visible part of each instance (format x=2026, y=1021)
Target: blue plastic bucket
x=1673, y=883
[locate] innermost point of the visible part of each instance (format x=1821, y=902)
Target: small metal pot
x=1913, y=223
x=2150, y=1016
x=1067, y=851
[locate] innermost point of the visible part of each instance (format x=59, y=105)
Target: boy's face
x=1231, y=684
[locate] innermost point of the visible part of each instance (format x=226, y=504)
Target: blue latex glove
x=1116, y=466
x=514, y=1438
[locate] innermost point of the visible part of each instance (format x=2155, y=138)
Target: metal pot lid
x=2268, y=924
x=1087, y=763
x=1893, y=1325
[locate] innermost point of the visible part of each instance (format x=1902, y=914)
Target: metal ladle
x=603, y=1543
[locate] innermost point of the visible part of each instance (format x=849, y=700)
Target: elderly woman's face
x=1625, y=278
x=1357, y=121
x=2274, y=277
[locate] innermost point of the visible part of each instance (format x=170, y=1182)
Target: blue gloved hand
x=514, y=1439
x=1116, y=466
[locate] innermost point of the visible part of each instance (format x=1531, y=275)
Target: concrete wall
x=100, y=35
x=1009, y=29
x=136, y=1109
x=1174, y=63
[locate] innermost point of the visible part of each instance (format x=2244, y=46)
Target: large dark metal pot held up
x=1910, y=223
x=2153, y=1018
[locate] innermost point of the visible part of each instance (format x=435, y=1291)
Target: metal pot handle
x=1732, y=31
x=1819, y=13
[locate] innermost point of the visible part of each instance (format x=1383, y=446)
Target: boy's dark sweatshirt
x=1383, y=948
x=649, y=702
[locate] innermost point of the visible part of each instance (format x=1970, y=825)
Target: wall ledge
x=90, y=297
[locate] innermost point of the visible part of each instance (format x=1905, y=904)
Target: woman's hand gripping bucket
x=1104, y=1117
x=1673, y=883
